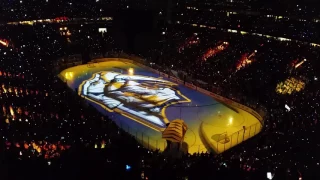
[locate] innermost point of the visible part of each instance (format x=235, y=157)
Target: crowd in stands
x=287, y=133
x=300, y=24
x=49, y=132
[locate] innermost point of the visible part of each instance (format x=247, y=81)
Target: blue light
x=128, y=167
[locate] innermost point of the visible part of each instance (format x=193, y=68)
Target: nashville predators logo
x=140, y=98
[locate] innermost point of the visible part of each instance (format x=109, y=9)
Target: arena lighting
x=68, y=33
x=102, y=30
x=245, y=60
x=287, y=107
x=128, y=167
x=4, y=43
x=213, y=51
x=300, y=63
x=269, y=175
x=69, y=75
x=230, y=121
x=130, y=71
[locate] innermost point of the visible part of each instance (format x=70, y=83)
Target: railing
x=218, y=144
x=225, y=142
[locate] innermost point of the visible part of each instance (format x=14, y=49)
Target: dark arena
x=159, y=89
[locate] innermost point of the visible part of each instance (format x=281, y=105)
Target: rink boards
x=142, y=101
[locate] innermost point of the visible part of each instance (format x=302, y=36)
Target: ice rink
x=142, y=102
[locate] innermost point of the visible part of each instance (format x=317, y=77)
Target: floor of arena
x=142, y=102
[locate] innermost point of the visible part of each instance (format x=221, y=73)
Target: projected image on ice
x=138, y=97
x=144, y=102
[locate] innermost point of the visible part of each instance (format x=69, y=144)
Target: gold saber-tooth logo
x=141, y=98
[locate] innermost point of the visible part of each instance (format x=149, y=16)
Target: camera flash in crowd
x=288, y=108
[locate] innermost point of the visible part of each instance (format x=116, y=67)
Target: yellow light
x=230, y=121
x=4, y=43
x=300, y=63
x=11, y=111
x=69, y=75
x=130, y=71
